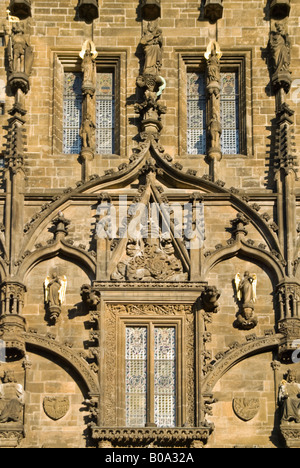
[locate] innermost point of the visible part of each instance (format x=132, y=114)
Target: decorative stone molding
x=67, y=355
x=11, y=435
x=236, y=353
x=160, y=437
x=291, y=434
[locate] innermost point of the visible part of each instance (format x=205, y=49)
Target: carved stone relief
x=150, y=260
x=246, y=408
x=56, y=407
x=12, y=399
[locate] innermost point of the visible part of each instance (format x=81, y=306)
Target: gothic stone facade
x=177, y=340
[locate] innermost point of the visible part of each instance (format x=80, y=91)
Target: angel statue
x=55, y=293
x=246, y=295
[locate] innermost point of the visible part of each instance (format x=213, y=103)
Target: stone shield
x=56, y=407
x=246, y=408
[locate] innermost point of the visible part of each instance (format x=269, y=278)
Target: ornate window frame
x=232, y=60
x=151, y=322
x=69, y=61
x=114, y=318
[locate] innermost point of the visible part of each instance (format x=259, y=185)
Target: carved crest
x=246, y=408
x=56, y=407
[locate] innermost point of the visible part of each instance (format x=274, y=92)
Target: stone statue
x=13, y=396
x=246, y=295
x=213, y=64
x=280, y=48
x=20, y=54
x=55, y=293
x=89, y=68
x=215, y=131
x=87, y=133
x=152, y=45
x=289, y=398
x=246, y=288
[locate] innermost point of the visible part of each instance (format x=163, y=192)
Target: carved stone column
x=88, y=55
x=288, y=294
x=213, y=89
x=12, y=324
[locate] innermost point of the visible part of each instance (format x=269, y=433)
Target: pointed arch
x=248, y=251
x=59, y=249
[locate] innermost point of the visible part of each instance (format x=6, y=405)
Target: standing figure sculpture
x=87, y=133
x=20, y=59
x=280, y=48
x=55, y=292
x=246, y=295
x=289, y=398
x=213, y=55
x=13, y=396
x=215, y=132
x=152, y=44
x=88, y=55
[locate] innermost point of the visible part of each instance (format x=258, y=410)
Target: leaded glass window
x=165, y=377
x=230, y=143
x=196, y=113
x=150, y=361
x=136, y=376
x=72, y=113
x=105, y=113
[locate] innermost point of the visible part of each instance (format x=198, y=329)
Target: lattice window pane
x=230, y=113
x=72, y=113
x=105, y=113
x=165, y=377
x=196, y=113
x=136, y=376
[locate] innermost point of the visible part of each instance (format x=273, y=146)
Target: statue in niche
x=55, y=293
x=289, y=398
x=13, y=396
x=246, y=295
x=88, y=55
x=215, y=131
x=88, y=132
x=20, y=54
x=280, y=46
x=152, y=44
